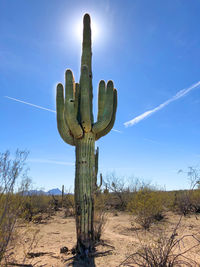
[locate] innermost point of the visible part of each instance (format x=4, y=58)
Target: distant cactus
x=63, y=188
x=76, y=127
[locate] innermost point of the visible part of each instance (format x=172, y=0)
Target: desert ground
x=38, y=244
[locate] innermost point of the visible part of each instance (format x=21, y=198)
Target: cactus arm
x=76, y=103
x=86, y=58
x=96, y=161
x=85, y=99
x=70, y=115
x=61, y=124
x=108, y=110
x=101, y=99
x=110, y=125
x=97, y=187
x=101, y=180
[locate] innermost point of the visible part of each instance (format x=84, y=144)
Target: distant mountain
x=34, y=192
x=55, y=192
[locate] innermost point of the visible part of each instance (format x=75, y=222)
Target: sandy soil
x=122, y=238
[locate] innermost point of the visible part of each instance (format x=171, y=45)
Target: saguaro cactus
x=76, y=127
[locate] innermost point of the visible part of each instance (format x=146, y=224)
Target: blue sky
x=150, y=49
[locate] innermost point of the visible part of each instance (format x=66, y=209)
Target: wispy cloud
x=51, y=162
x=47, y=109
x=117, y=131
x=30, y=104
x=148, y=113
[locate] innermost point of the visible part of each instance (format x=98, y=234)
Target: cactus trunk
x=84, y=191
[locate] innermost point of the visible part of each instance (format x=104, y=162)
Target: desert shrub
x=170, y=200
x=56, y=202
x=195, y=200
x=147, y=205
x=189, y=200
x=183, y=203
x=100, y=219
x=101, y=207
x=68, y=205
x=34, y=205
x=120, y=190
x=10, y=202
x=102, y=202
x=164, y=250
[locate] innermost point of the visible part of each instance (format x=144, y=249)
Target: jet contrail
x=36, y=106
x=148, y=113
x=33, y=105
x=50, y=162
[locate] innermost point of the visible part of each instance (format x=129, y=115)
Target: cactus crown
x=74, y=112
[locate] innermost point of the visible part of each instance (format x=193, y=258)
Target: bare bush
x=188, y=201
x=120, y=189
x=116, y=186
x=10, y=203
x=193, y=175
x=100, y=219
x=101, y=207
x=164, y=251
x=195, y=201
x=183, y=202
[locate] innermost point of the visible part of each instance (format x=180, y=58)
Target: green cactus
x=76, y=127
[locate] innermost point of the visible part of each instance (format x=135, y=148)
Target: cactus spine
x=76, y=127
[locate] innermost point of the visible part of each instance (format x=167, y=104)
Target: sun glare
x=79, y=30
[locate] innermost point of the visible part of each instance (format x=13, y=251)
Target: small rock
x=64, y=250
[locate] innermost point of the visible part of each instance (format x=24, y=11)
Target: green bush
x=102, y=201
x=170, y=200
x=148, y=206
x=10, y=203
x=35, y=204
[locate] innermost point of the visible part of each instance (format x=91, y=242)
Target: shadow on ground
x=77, y=261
